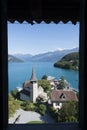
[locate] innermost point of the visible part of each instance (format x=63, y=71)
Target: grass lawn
x=35, y=122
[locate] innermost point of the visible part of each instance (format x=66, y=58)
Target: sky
x=40, y=38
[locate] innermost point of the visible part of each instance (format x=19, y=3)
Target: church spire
x=33, y=76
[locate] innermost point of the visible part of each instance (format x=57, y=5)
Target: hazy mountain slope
x=48, y=56
x=53, y=56
x=24, y=57
x=12, y=58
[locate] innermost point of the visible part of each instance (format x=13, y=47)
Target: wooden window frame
x=4, y=77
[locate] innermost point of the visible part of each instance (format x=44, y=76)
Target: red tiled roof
x=26, y=84
x=63, y=95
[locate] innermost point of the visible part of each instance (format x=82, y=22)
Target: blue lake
x=20, y=72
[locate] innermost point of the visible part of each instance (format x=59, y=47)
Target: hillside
x=23, y=57
x=69, y=61
x=13, y=59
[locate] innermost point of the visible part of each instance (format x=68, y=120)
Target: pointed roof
x=33, y=76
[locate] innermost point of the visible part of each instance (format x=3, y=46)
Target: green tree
x=69, y=61
x=68, y=66
x=28, y=106
x=12, y=105
x=15, y=93
x=68, y=112
x=42, y=109
x=45, y=85
x=44, y=77
x=62, y=83
x=53, y=112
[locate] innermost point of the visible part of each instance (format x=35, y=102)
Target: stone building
x=31, y=91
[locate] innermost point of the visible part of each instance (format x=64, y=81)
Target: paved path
x=22, y=117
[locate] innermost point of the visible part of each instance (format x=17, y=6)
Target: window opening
x=43, y=60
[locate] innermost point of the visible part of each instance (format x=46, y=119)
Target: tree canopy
x=69, y=61
x=12, y=105
x=68, y=112
x=44, y=77
x=62, y=83
x=45, y=84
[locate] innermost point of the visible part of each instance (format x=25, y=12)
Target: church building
x=31, y=91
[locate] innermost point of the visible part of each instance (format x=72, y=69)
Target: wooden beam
x=3, y=65
x=83, y=67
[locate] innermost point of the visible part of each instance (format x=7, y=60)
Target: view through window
x=43, y=71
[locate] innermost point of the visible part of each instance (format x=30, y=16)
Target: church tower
x=33, y=86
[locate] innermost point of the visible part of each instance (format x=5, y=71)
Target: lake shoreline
x=18, y=73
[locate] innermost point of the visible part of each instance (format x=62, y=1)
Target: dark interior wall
x=44, y=10
x=3, y=64
x=4, y=74
x=83, y=64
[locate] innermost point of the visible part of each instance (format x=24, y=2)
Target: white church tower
x=33, y=86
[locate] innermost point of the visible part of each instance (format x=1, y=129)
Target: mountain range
x=45, y=57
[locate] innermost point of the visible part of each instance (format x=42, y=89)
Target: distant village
x=60, y=91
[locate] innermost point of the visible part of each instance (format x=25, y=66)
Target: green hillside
x=69, y=61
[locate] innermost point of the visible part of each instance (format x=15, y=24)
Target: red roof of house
x=63, y=95
x=26, y=84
